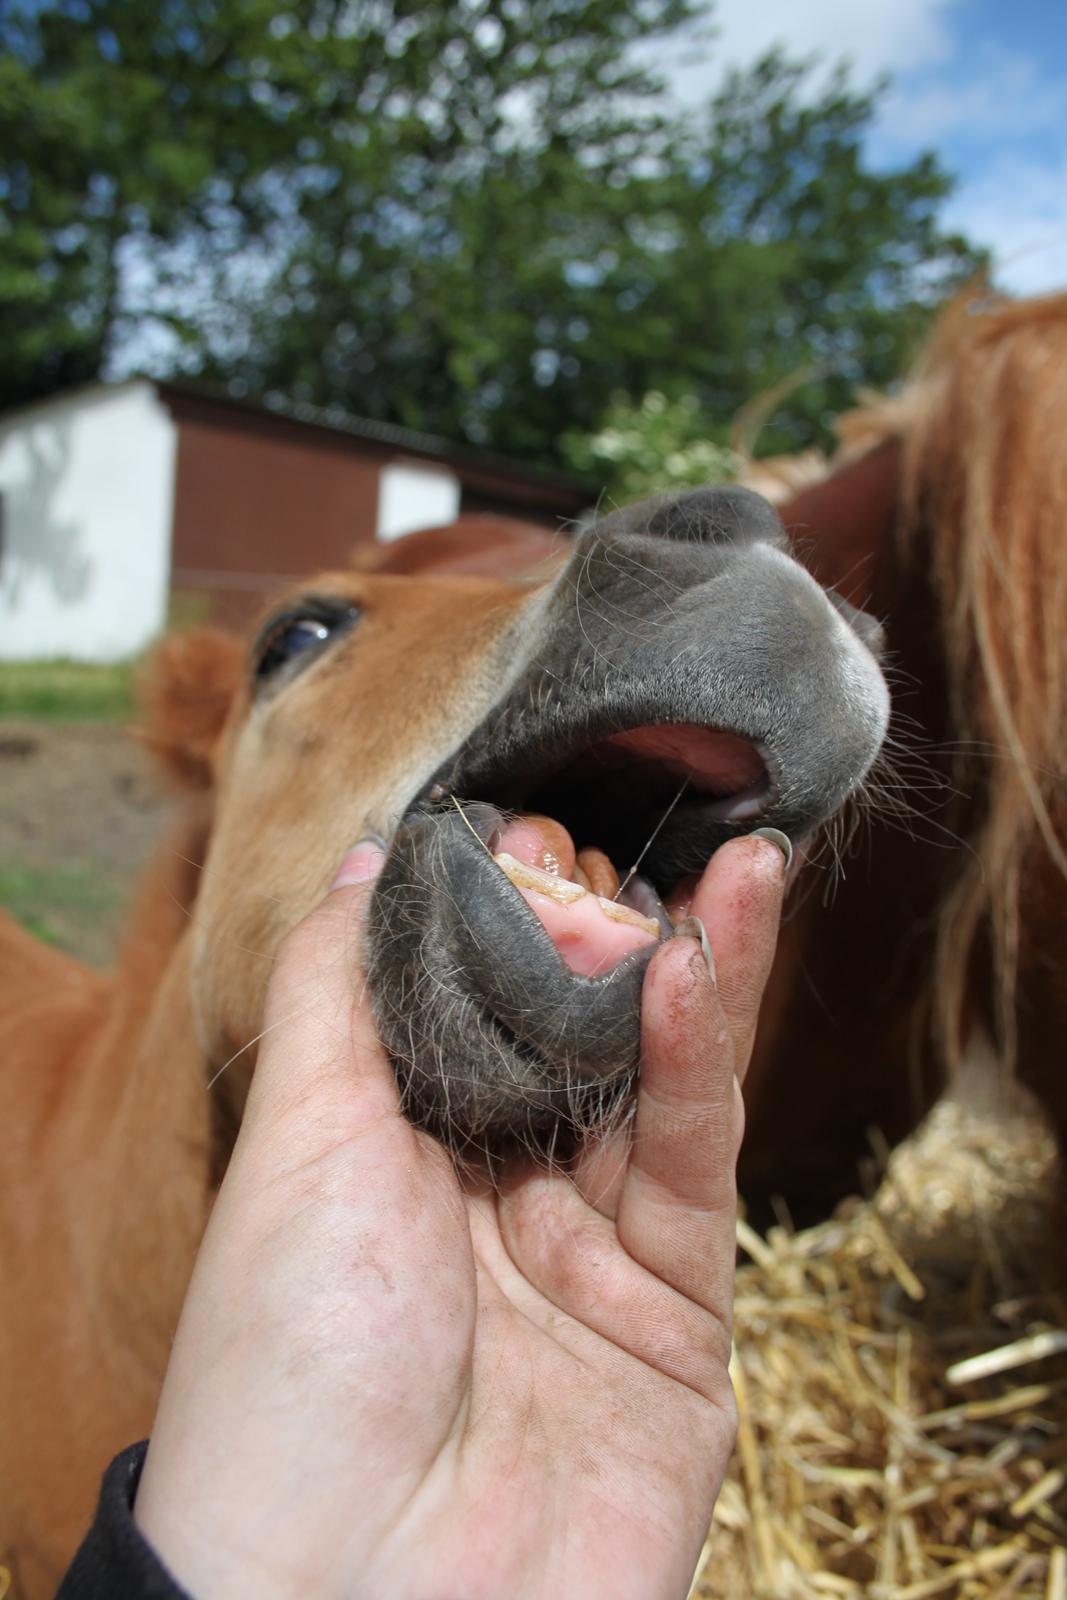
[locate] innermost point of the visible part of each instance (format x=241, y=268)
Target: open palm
x=386, y=1383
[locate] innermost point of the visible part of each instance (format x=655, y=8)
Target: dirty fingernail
x=364, y=861
x=693, y=928
x=782, y=840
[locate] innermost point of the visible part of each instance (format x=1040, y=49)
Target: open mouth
x=675, y=693
x=585, y=846
x=522, y=899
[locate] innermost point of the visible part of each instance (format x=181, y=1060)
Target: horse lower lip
x=491, y=1036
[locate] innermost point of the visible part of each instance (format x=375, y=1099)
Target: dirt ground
x=80, y=810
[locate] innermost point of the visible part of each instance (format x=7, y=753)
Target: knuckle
x=697, y=1132
x=714, y=1382
x=723, y=1398
x=739, y=1120
x=700, y=1353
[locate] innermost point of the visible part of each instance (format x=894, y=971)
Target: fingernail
x=362, y=863
x=782, y=840
x=693, y=928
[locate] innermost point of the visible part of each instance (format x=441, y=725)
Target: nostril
x=720, y=514
x=866, y=627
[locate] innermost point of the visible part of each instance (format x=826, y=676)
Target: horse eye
x=303, y=632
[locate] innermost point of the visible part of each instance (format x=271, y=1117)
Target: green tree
x=524, y=283
x=117, y=131
x=228, y=169
x=477, y=218
x=790, y=253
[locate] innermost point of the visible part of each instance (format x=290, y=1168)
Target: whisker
x=650, y=841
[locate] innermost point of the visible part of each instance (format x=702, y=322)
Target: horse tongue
x=590, y=933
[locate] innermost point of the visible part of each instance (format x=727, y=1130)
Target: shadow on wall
x=35, y=542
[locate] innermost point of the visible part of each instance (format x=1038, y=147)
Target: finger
x=739, y=901
x=677, y=1207
x=321, y=1067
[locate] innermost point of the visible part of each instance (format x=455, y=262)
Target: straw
x=861, y=1470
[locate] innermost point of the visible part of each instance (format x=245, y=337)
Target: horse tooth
x=523, y=876
x=640, y=895
x=600, y=871
x=615, y=911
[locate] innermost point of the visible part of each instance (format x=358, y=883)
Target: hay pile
x=901, y=1374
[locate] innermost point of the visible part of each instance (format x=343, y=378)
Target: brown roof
x=483, y=471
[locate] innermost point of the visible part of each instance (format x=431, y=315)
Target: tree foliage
x=650, y=446
x=478, y=218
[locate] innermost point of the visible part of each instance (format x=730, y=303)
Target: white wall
x=412, y=496
x=86, y=497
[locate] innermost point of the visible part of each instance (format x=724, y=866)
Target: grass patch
x=61, y=905
x=67, y=691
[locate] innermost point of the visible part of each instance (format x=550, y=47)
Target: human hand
x=387, y=1383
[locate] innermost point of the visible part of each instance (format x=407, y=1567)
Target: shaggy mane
x=984, y=505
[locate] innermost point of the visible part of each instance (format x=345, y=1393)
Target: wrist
x=198, y=1551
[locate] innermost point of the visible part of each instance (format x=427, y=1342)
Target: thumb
x=321, y=1070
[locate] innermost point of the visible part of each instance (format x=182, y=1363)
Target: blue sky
x=981, y=82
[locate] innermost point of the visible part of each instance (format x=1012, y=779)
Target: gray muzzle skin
x=686, y=611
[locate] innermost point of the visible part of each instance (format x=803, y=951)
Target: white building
x=119, y=502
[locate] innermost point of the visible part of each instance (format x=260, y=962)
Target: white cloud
x=1000, y=95
x=1019, y=210
x=875, y=36
x=994, y=115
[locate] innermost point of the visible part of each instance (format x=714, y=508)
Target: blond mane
x=983, y=506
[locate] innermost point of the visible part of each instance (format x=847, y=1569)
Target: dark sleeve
x=114, y=1561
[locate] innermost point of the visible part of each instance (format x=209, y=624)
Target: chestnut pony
x=365, y=702
x=945, y=516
